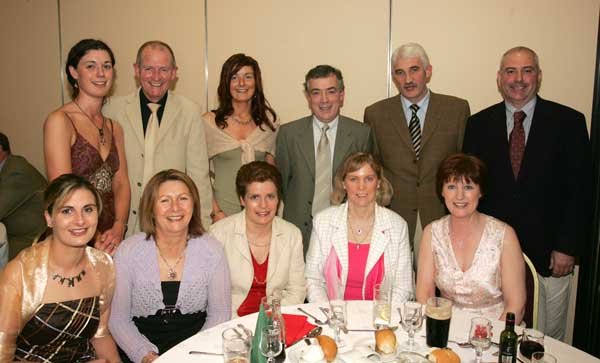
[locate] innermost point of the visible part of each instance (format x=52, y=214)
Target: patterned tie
x=414, y=128
x=516, y=142
x=322, y=173
x=150, y=143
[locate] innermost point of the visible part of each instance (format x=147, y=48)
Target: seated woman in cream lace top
x=474, y=259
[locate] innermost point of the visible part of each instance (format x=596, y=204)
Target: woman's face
x=74, y=222
x=173, y=208
x=361, y=186
x=242, y=85
x=94, y=73
x=461, y=197
x=261, y=202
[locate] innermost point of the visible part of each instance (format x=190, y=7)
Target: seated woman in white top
x=356, y=244
x=474, y=259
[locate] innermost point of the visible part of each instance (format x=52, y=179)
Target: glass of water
x=337, y=319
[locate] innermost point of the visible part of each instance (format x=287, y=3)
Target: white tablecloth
x=359, y=317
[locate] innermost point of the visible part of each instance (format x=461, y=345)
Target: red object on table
x=296, y=327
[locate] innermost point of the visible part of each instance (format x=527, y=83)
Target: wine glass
x=542, y=357
x=270, y=343
x=480, y=336
x=337, y=319
x=411, y=321
x=531, y=342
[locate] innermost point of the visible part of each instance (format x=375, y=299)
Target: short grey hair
x=411, y=50
x=521, y=48
x=324, y=71
x=155, y=44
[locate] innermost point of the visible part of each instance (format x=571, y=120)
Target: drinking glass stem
x=411, y=337
x=478, y=353
x=336, y=333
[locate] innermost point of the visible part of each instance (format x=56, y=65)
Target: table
x=359, y=317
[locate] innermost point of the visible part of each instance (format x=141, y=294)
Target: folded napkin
x=296, y=327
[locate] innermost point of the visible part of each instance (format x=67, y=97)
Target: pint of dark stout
x=439, y=313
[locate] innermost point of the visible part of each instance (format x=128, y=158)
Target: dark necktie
x=516, y=142
x=414, y=129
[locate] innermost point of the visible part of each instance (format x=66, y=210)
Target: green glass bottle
x=508, y=341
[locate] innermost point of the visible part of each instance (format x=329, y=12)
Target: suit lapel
x=241, y=243
x=395, y=117
x=339, y=237
x=134, y=117
x=379, y=240
x=172, y=109
x=535, y=140
x=343, y=142
x=502, y=147
x=307, y=145
x=433, y=117
x=275, y=250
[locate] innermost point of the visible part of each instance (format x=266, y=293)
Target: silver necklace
x=172, y=274
x=358, y=232
x=237, y=119
x=100, y=129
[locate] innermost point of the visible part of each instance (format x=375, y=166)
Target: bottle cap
x=510, y=317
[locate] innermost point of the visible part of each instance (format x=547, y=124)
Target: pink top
x=357, y=262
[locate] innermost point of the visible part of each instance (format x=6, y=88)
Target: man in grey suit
x=21, y=201
x=414, y=131
x=310, y=149
x=171, y=120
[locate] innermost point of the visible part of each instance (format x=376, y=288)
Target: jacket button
x=139, y=184
x=418, y=184
x=134, y=212
x=310, y=202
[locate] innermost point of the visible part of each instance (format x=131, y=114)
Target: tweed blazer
x=21, y=202
x=389, y=238
x=285, y=271
x=181, y=145
x=295, y=155
x=414, y=180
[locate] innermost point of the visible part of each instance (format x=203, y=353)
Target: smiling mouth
x=78, y=231
x=99, y=83
x=175, y=218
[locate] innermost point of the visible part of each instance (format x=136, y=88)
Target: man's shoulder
x=19, y=164
x=350, y=122
x=487, y=113
x=447, y=99
x=183, y=101
x=384, y=104
x=294, y=126
x=557, y=108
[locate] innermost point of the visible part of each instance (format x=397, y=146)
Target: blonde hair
x=352, y=163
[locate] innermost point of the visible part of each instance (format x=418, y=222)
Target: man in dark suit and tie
x=310, y=149
x=21, y=200
x=538, y=157
x=414, y=131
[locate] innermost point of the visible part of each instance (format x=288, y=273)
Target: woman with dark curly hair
x=242, y=129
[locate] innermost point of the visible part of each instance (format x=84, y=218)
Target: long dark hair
x=260, y=105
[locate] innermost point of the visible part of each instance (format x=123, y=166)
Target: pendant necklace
x=172, y=274
x=69, y=280
x=100, y=129
x=359, y=233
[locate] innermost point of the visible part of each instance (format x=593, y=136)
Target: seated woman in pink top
x=357, y=241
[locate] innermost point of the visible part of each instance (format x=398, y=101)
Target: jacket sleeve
x=197, y=166
x=315, y=260
x=295, y=291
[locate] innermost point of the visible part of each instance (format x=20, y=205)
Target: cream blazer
x=285, y=271
x=181, y=145
x=389, y=238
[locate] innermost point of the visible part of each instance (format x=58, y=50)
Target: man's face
x=519, y=78
x=411, y=78
x=324, y=98
x=155, y=73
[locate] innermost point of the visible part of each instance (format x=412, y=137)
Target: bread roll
x=385, y=341
x=328, y=346
x=444, y=355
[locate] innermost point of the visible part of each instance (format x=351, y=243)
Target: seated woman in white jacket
x=359, y=242
x=264, y=251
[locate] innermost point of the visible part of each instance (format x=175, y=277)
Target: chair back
x=532, y=285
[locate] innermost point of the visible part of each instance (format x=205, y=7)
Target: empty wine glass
x=270, y=343
x=337, y=319
x=411, y=321
x=480, y=336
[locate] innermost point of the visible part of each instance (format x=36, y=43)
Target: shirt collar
x=422, y=103
x=144, y=100
x=528, y=108
x=332, y=124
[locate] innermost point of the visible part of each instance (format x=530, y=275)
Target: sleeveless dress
x=478, y=289
x=87, y=162
x=60, y=332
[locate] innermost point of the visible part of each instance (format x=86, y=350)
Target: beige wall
x=464, y=38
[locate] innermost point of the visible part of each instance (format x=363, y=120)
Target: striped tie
x=414, y=128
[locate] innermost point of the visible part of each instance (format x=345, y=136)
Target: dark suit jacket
x=21, y=202
x=547, y=204
x=295, y=157
x=414, y=180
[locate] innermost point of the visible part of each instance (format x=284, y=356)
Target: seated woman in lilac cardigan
x=172, y=279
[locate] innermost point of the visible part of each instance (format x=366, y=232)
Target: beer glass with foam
x=438, y=312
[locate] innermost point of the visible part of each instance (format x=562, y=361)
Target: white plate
x=295, y=352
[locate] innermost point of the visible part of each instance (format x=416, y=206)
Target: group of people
x=189, y=205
